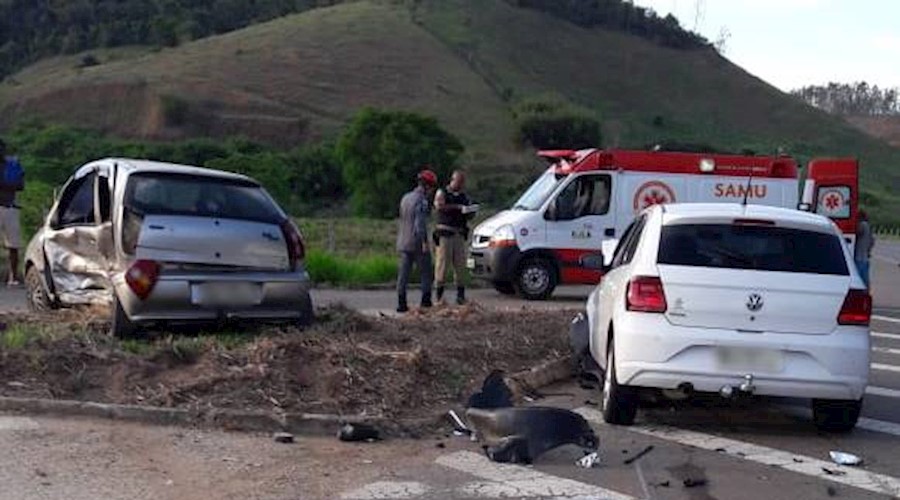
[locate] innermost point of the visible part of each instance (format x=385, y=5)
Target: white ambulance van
x=590, y=196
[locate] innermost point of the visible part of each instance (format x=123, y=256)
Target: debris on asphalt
x=589, y=461
x=798, y=460
x=459, y=427
x=721, y=450
x=831, y=490
x=440, y=445
x=17, y=384
x=284, y=437
x=640, y=454
x=694, y=483
x=842, y=458
x=662, y=484
x=832, y=472
x=521, y=435
x=358, y=432
x=494, y=393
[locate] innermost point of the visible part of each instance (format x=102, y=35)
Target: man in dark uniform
x=453, y=207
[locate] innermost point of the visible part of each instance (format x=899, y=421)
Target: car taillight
x=295, y=247
x=141, y=277
x=645, y=294
x=857, y=309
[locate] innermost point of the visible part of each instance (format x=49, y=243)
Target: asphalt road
x=763, y=449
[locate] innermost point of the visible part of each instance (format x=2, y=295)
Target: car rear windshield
x=199, y=196
x=762, y=248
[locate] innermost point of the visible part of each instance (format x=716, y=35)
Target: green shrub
x=381, y=152
x=324, y=267
x=550, y=122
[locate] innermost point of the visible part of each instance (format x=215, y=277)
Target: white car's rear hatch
x=753, y=277
x=205, y=221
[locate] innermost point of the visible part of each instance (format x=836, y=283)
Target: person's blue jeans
x=863, y=268
x=423, y=261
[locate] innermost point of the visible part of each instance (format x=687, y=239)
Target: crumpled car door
x=79, y=246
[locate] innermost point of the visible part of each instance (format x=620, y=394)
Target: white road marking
x=882, y=391
x=514, y=481
x=886, y=318
x=17, y=424
x=885, y=368
x=855, y=477
x=886, y=350
x=387, y=490
x=880, y=335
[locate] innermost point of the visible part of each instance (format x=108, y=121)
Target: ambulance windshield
x=538, y=193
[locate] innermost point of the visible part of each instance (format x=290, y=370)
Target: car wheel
x=619, y=402
x=836, y=415
x=307, y=315
x=536, y=279
x=122, y=327
x=505, y=287
x=38, y=298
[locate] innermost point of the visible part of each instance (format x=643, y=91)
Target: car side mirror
x=594, y=262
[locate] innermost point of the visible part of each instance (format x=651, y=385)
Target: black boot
x=460, y=295
x=426, y=301
x=439, y=294
x=401, y=305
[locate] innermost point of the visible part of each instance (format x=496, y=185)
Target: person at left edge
x=12, y=180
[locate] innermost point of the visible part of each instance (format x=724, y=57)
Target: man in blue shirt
x=412, y=238
x=9, y=215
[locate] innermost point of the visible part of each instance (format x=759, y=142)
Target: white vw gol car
x=730, y=299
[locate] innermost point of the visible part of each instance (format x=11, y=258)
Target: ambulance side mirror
x=594, y=262
x=804, y=207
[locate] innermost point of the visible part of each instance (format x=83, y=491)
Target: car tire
x=38, y=298
x=121, y=326
x=836, y=415
x=536, y=279
x=619, y=402
x=505, y=288
x=307, y=315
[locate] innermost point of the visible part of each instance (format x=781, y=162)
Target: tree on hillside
x=845, y=99
x=549, y=122
x=381, y=152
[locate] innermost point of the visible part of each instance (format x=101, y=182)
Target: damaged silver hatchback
x=165, y=243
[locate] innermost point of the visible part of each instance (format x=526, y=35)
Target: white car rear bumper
x=651, y=352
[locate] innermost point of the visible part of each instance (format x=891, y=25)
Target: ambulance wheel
x=505, y=287
x=536, y=279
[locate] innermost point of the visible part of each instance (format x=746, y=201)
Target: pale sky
x=792, y=43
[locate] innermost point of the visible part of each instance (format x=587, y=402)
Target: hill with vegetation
x=478, y=66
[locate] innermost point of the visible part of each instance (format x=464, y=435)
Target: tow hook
x=746, y=387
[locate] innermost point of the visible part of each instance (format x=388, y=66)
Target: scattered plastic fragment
x=841, y=458
x=494, y=393
x=283, y=437
x=589, y=461
x=832, y=472
x=358, y=432
x=460, y=428
x=694, y=483
x=521, y=435
x=629, y=461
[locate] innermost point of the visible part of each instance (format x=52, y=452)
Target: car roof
x=133, y=166
x=684, y=213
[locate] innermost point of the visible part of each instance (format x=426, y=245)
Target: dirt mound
x=346, y=364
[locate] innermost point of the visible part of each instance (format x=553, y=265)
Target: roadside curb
x=301, y=424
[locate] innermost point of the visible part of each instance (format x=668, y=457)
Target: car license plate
x=226, y=294
x=750, y=359
x=470, y=263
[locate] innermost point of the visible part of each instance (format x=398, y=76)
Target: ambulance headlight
x=504, y=236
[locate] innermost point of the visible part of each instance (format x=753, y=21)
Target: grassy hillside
x=468, y=62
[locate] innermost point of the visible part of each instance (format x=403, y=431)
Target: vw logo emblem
x=755, y=302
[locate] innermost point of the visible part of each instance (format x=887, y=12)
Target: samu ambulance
x=590, y=196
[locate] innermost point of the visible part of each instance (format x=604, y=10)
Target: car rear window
x=198, y=196
x=762, y=248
